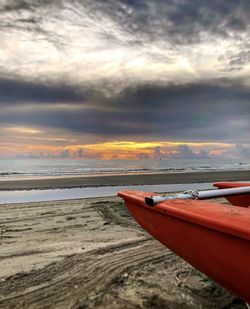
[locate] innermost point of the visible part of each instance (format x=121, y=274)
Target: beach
x=90, y=253
x=101, y=97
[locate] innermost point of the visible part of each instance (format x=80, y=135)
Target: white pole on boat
x=198, y=195
x=203, y=195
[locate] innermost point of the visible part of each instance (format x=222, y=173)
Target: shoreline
x=122, y=180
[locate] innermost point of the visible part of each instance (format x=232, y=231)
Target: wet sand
x=89, y=253
x=113, y=180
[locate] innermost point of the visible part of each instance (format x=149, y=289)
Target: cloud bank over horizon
x=88, y=72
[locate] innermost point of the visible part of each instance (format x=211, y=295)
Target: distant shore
x=114, y=180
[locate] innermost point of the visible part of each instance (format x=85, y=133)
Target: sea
x=44, y=168
x=39, y=168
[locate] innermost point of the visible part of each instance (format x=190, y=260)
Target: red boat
x=213, y=237
x=237, y=200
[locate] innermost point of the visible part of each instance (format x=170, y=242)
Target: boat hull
x=237, y=200
x=221, y=255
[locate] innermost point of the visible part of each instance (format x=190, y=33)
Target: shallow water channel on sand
x=24, y=196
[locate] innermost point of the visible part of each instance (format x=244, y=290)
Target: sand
x=90, y=253
x=113, y=180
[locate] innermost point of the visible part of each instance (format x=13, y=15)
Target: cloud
x=157, y=153
x=143, y=156
x=126, y=70
x=238, y=151
x=125, y=42
x=185, y=152
x=65, y=153
x=20, y=91
x=80, y=152
x=195, y=112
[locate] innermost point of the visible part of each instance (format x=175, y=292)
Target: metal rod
x=198, y=195
x=203, y=195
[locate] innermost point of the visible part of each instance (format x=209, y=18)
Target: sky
x=124, y=79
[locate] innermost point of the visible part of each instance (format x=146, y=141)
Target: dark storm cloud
x=189, y=18
x=204, y=112
x=185, y=22
x=181, y=16
x=19, y=91
x=88, y=121
x=133, y=67
x=181, y=20
x=191, y=112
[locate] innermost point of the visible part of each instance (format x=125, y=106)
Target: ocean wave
x=10, y=173
x=53, y=168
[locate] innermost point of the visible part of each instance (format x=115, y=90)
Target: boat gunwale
x=230, y=184
x=216, y=216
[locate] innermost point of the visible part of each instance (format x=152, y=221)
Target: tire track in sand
x=76, y=281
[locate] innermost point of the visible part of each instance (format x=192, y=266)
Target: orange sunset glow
x=115, y=150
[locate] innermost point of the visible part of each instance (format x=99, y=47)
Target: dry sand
x=90, y=253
